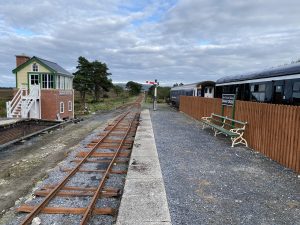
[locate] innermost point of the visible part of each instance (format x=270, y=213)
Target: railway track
x=111, y=148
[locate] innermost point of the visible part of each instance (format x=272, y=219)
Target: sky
x=172, y=41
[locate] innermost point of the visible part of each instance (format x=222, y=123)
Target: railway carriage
x=201, y=89
x=279, y=85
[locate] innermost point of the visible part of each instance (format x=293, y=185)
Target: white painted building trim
x=288, y=77
x=61, y=107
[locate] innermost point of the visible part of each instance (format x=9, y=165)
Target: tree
x=99, y=77
x=118, y=89
x=91, y=77
x=163, y=93
x=82, y=81
x=134, y=88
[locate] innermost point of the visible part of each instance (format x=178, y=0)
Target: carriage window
x=296, y=93
x=258, y=92
x=296, y=86
x=278, y=89
x=261, y=87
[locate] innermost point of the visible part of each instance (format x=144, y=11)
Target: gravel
x=83, y=179
x=208, y=182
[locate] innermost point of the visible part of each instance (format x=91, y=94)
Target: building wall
x=50, y=103
x=22, y=74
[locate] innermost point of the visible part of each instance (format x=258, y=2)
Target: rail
x=106, y=140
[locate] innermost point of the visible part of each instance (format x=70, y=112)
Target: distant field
x=6, y=94
x=111, y=102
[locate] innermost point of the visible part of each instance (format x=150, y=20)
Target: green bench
x=229, y=127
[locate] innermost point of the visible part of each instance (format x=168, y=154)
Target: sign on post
x=155, y=83
x=228, y=99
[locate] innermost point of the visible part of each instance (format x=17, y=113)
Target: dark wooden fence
x=273, y=130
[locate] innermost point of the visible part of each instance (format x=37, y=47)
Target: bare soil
x=25, y=164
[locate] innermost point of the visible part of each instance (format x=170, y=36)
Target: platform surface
x=4, y=121
x=144, y=201
x=209, y=182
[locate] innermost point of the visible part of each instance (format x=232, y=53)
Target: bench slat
x=220, y=125
x=227, y=118
x=223, y=130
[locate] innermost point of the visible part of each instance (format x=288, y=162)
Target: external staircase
x=25, y=104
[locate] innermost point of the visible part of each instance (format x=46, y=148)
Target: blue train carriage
x=201, y=89
x=279, y=85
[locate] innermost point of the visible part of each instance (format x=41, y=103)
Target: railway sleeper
x=103, y=154
x=112, y=141
x=106, y=194
x=123, y=161
x=67, y=210
x=113, y=147
x=94, y=171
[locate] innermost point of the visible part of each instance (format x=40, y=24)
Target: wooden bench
x=230, y=127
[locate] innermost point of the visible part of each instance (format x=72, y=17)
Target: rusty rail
x=61, y=188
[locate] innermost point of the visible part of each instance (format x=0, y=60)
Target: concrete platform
x=6, y=121
x=144, y=200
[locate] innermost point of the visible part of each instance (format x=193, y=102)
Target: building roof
x=192, y=86
x=273, y=72
x=52, y=66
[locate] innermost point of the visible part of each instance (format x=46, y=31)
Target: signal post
x=155, y=83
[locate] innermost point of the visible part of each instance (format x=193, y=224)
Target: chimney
x=20, y=59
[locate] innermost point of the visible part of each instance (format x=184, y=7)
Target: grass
x=104, y=104
x=2, y=108
x=6, y=94
x=149, y=99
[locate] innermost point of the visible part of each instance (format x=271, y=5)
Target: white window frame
x=57, y=82
x=70, y=106
x=45, y=78
x=35, y=67
x=61, y=107
x=62, y=83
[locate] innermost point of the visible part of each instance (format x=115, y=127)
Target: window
x=34, y=79
x=47, y=81
x=35, y=67
x=296, y=93
x=61, y=107
x=68, y=83
x=57, y=81
x=296, y=86
x=62, y=83
x=278, y=89
x=69, y=105
x=258, y=92
x=261, y=87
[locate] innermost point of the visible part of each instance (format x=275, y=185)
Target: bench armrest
x=207, y=118
x=236, y=130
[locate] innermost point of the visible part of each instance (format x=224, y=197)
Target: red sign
x=150, y=82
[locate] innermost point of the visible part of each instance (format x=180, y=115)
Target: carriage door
x=278, y=94
x=209, y=92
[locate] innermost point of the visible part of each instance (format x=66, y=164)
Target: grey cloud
x=186, y=42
